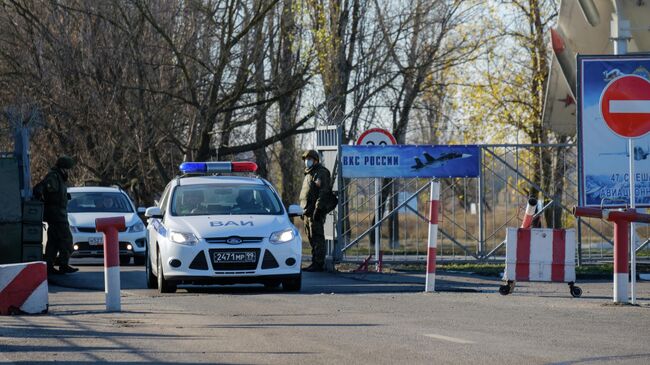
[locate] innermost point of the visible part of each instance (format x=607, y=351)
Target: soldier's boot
x=67, y=269
x=52, y=271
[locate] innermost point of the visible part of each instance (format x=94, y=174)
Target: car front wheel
x=292, y=284
x=152, y=281
x=125, y=260
x=164, y=286
x=138, y=260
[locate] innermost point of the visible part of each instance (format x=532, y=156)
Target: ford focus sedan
x=222, y=229
x=91, y=202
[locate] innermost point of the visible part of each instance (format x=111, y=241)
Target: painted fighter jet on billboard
x=584, y=27
x=439, y=161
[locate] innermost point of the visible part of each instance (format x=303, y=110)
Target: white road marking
x=447, y=338
x=629, y=106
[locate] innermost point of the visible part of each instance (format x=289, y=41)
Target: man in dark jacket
x=315, y=190
x=53, y=190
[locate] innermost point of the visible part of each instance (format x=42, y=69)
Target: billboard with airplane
x=410, y=161
x=604, y=155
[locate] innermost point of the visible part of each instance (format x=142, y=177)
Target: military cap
x=311, y=154
x=65, y=162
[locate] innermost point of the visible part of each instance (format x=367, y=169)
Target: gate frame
x=340, y=244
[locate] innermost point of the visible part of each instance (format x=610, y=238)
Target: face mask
x=309, y=163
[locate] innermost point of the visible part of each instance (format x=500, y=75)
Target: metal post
x=434, y=193
x=632, y=231
x=109, y=227
x=579, y=221
x=481, y=187
x=621, y=230
x=620, y=29
x=339, y=240
x=378, y=227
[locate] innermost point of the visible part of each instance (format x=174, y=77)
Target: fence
x=469, y=230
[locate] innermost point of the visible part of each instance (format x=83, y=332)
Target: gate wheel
x=504, y=289
x=576, y=292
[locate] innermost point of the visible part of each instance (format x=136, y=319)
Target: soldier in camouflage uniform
x=314, y=192
x=53, y=190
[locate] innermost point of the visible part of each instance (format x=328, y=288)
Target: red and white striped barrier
x=23, y=288
x=530, y=212
x=621, y=252
x=540, y=254
x=110, y=227
x=430, y=285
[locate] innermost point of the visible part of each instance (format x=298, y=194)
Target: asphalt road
x=337, y=318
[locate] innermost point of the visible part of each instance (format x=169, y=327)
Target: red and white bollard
x=622, y=220
x=430, y=285
x=530, y=213
x=621, y=234
x=110, y=227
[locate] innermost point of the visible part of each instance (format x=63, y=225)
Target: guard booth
x=21, y=218
x=327, y=145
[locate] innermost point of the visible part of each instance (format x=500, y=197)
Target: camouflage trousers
x=59, y=240
x=316, y=234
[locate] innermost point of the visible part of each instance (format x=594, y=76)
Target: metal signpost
x=377, y=137
x=614, y=108
x=625, y=105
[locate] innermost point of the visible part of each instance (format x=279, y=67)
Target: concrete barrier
x=23, y=288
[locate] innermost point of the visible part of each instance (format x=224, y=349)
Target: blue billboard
x=410, y=161
x=604, y=155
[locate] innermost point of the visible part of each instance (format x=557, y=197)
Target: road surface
x=337, y=318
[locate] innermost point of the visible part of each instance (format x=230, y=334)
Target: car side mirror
x=142, y=210
x=295, y=211
x=153, y=212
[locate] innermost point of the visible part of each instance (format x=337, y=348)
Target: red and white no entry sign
x=625, y=105
x=376, y=137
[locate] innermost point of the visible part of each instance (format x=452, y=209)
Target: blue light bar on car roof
x=193, y=168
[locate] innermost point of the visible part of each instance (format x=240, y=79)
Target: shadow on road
x=133, y=278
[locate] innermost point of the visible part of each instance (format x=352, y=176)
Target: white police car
x=216, y=229
x=91, y=202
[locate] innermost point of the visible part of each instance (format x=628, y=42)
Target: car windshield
x=211, y=199
x=95, y=202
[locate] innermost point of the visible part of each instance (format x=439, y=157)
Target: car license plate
x=231, y=257
x=96, y=241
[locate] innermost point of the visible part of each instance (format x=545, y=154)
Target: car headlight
x=183, y=238
x=74, y=229
x=282, y=236
x=138, y=227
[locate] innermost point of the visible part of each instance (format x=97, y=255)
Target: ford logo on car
x=233, y=241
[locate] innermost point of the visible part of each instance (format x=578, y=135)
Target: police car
x=211, y=228
x=91, y=202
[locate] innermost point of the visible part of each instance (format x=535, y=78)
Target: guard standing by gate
x=314, y=196
x=53, y=190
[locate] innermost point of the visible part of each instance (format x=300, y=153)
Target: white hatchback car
x=90, y=202
x=222, y=230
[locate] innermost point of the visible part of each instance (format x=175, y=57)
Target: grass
x=597, y=271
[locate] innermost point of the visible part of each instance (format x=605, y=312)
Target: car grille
x=234, y=265
x=224, y=240
x=87, y=229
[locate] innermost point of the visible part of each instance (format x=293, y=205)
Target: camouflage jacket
x=54, y=192
x=315, y=188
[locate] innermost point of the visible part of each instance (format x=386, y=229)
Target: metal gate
x=474, y=211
